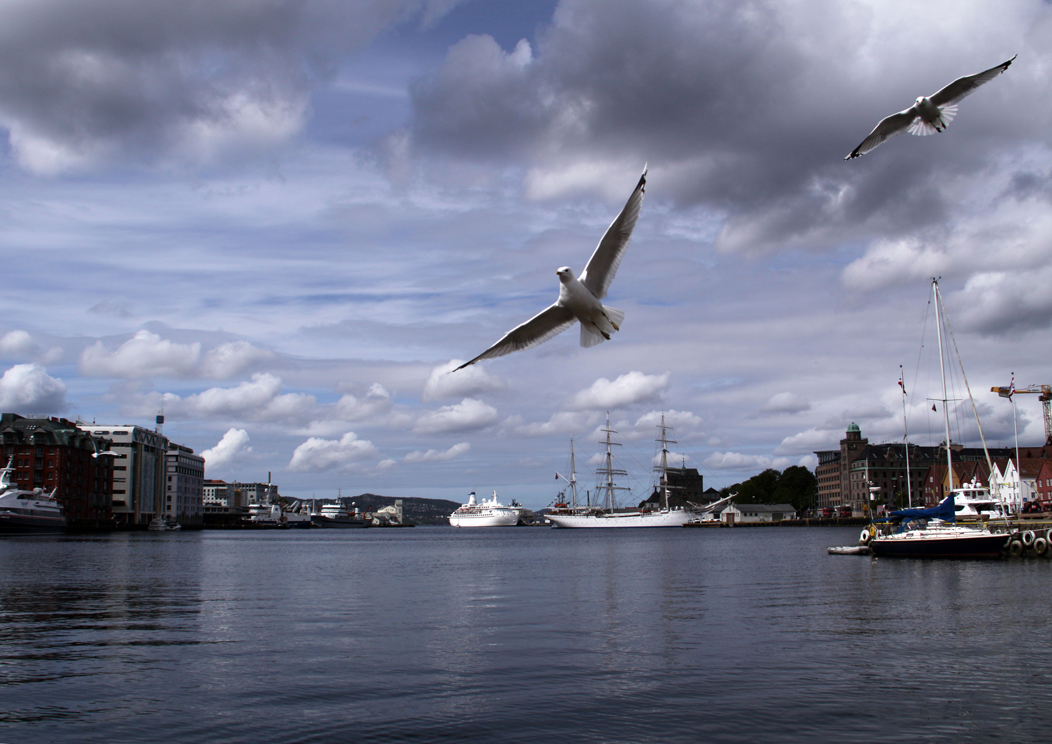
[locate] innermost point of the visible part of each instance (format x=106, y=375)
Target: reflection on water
x=512, y=635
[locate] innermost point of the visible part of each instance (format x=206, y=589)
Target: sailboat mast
x=906, y=440
x=942, y=370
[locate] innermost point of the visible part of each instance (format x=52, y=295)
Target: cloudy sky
x=285, y=222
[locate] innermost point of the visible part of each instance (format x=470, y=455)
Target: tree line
x=795, y=485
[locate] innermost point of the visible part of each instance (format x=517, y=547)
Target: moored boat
x=933, y=532
x=28, y=512
x=338, y=515
x=610, y=517
x=484, y=513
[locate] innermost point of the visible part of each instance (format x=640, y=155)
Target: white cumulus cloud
x=259, y=399
x=738, y=461
x=465, y=383
x=376, y=400
x=231, y=359
x=632, y=387
x=16, y=344
x=27, y=388
x=464, y=416
x=786, y=403
x=318, y=454
x=439, y=456
x=233, y=444
x=144, y=355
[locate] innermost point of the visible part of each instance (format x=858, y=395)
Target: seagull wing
x=961, y=87
x=888, y=127
x=536, y=330
x=602, y=266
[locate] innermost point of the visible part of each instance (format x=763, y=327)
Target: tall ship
x=484, y=513
x=27, y=512
x=608, y=516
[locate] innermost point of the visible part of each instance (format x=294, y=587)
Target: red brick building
x=53, y=454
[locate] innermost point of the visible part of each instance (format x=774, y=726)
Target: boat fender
x=1028, y=538
x=865, y=537
x=1040, y=546
x=1015, y=548
x=1048, y=537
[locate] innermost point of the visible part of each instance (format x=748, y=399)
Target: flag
x=1011, y=388
x=933, y=407
x=901, y=385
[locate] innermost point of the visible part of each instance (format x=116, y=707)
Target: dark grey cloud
x=129, y=80
x=749, y=108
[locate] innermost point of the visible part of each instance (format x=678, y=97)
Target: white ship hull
x=487, y=518
x=674, y=518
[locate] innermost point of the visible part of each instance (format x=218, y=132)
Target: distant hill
x=414, y=510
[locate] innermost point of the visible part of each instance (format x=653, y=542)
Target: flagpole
x=1018, y=464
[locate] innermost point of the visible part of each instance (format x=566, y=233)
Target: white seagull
x=928, y=115
x=579, y=299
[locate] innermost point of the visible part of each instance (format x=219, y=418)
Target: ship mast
x=663, y=468
x=573, y=477
x=608, y=469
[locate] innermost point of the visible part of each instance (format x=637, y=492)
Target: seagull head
x=565, y=274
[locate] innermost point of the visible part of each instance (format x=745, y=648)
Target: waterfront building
x=184, y=486
x=54, y=454
x=850, y=475
x=753, y=513
x=684, y=485
x=226, y=503
x=1044, y=485
x=138, y=471
x=833, y=471
x=1017, y=480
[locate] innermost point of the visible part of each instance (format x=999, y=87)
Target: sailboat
x=665, y=516
x=933, y=533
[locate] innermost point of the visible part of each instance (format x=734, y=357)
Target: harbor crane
x=1045, y=393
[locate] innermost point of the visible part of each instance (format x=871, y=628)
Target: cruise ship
x=490, y=513
x=27, y=512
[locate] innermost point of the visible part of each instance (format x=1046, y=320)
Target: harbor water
x=514, y=635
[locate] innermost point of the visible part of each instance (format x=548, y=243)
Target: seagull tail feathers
x=590, y=335
x=923, y=128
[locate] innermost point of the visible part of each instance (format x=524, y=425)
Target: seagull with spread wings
x=928, y=115
x=579, y=299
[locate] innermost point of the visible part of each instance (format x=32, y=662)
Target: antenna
x=160, y=417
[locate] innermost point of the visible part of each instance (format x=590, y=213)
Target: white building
x=1014, y=491
x=184, y=486
x=225, y=501
x=739, y=513
x=138, y=471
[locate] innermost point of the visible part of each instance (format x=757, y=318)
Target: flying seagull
x=928, y=115
x=579, y=299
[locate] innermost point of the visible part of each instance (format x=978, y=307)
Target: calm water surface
x=514, y=635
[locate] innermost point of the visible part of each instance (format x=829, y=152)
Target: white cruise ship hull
x=486, y=518
x=673, y=518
